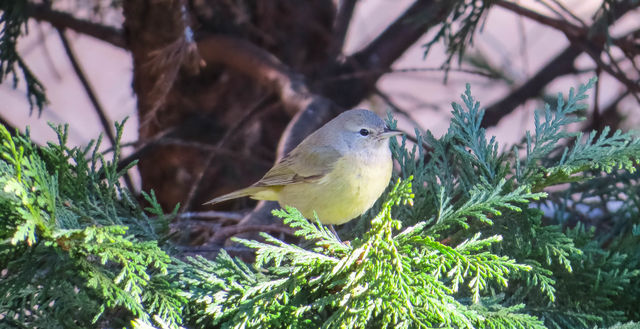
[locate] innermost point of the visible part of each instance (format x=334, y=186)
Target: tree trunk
x=220, y=128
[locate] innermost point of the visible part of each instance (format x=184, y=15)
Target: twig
x=244, y=252
x=148, y=146
x=374, y=72
x=605, y=115
x=190, y=223
x=402, y=34
x=144, y=148
x=10, y=128
x=212, y=214
x=524, y=53
x=569, y=12
x=572, y=31
x=341, y=26
x=384, y=50
x=400, y=111
x=209, y=159
x=106, y=124
x=551, y=8
x=618, y=73
x=560, y=65
x=220, y=236
x=61, y=20
x=47, y=54
x=264, y=68
x=596, y=98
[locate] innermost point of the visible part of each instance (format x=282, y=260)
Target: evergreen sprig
x=386, y=279
x=13, y=18
x=467, y=237
x=71, y=234
x=458, y=28
x=468, y=186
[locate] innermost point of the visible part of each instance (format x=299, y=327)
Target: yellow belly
x=345, y=193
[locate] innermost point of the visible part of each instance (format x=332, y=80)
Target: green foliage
x=75, y=247
x=457, y=29
x=13, y=18
x=542, y=235
x=577, y=275
x=386, y=279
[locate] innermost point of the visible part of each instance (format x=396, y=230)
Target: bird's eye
x=364, y=132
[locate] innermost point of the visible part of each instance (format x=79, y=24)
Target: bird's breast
x=347, y=191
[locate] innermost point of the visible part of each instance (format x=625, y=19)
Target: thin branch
x=220, y=236
x=374, y=72
x=47, y=54
x=384, y=50
x=616, y=72
x=581, y=41
x=524, y=51
x=10, y=128
x=401, y=112
x=402, y=34
x=569, y=12
x=255, y=62
x=209, y=159
x=163, y=140
x=607, y=116
x=570, y=30
x=551, y=8
x=106, y=123
x=559, y=66
x=62, y=20
x=245, y=253
x=212, y=214
x=341, y=26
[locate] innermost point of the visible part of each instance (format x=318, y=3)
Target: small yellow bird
x=338, y=171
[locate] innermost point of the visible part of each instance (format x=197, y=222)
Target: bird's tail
x=255, y=192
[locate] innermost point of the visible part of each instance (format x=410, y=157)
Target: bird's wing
x=299, y=167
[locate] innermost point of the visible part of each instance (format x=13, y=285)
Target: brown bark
x=199, y=109
x=261, y=61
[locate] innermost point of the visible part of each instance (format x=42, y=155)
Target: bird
x=336, y=173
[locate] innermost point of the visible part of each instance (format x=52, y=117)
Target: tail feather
x=234, y=195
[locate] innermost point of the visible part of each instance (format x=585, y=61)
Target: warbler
x=338, y=171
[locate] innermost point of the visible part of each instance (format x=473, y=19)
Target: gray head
x=358, y=130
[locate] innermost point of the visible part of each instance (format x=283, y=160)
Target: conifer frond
x=388, y=279
x=65, y=206
x=467, y=237
x=13, y=19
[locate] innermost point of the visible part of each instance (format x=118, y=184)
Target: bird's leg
x=334, y=232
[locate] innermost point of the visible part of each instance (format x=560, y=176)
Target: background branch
x=582, y=40
x=264, y=68
x=341, y=26
x=62, y=20
x=559, y=66
x=383, y=51
x=86, y=85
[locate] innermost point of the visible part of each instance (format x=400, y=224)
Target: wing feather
x=301, y=166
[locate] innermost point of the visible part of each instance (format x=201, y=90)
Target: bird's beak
x=387, y=133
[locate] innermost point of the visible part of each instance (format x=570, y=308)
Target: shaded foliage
x=465, y=238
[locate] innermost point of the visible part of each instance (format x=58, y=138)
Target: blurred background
x=209, y=87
